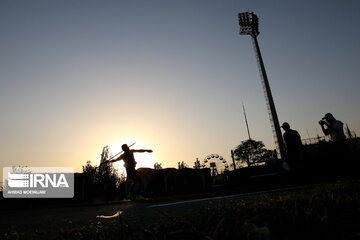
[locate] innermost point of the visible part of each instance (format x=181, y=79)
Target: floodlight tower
x=249, y=25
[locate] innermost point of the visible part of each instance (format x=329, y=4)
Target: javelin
x=119, y=153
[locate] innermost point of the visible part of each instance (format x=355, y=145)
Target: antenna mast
x=247, y=125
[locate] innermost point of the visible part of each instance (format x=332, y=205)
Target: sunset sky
x=169, y=75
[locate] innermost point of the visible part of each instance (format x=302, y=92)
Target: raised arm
x=325, y=130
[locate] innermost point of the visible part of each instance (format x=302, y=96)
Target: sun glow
x=144, y=160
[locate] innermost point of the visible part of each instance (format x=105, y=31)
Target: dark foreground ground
x=322, y=211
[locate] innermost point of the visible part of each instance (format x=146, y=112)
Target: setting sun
x=144, y=160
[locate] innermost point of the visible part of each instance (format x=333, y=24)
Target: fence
x=317, y=139
x=314, y=140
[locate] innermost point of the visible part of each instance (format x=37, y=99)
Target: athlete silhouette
x=133, y=176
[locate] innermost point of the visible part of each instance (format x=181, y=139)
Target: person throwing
x=133, y=176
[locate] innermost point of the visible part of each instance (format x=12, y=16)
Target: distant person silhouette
x=334, y=128
x=293, y=147
x=133, y=176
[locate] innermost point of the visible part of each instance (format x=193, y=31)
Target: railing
x=317, y=139
x=314, y=140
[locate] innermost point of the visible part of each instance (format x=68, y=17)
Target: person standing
x=337, y=149
x=293, y=144
x=334, y=128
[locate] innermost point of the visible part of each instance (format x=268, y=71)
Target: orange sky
x=170, y=76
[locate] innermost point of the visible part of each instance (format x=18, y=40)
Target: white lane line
x=229, y=196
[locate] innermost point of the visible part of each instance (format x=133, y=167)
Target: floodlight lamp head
x=249, y=24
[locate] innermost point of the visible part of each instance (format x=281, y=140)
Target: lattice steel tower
x=249, y=25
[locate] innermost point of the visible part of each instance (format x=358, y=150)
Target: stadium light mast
x=249, y=25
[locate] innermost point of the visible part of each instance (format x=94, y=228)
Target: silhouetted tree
x=157, y=166
x=104, y=176
x=252, y=152
x=106, y=172
x=104, y=156
x=89, y=171
x=197, y=164
x=182, y=165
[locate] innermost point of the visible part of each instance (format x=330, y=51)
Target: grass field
x=328, y=211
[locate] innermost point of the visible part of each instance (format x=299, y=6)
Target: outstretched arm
x=142, y=150
x=116, y=159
